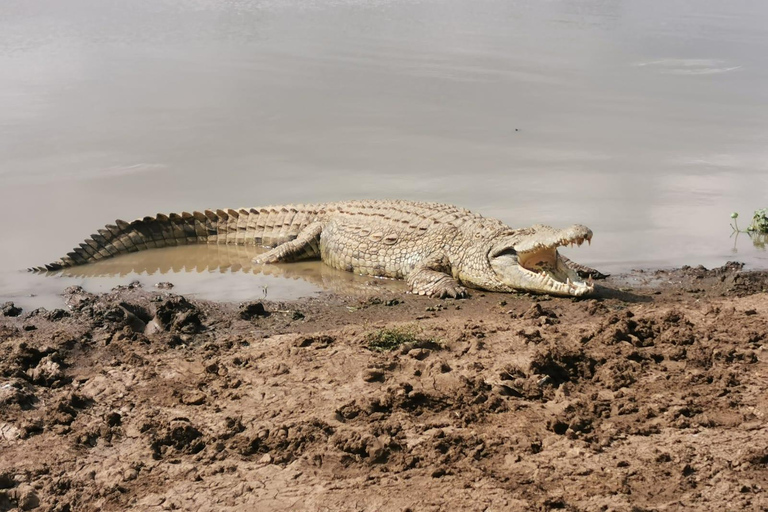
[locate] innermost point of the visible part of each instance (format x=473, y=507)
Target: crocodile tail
x=210, y=226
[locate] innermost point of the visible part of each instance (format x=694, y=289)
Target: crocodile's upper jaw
x=530, y=262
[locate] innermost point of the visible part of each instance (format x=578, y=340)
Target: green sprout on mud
x=386, y=340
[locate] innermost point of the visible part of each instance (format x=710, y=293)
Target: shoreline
x=649, y=394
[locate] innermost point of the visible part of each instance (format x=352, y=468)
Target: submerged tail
x=243, y=226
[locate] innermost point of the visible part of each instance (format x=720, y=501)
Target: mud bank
x=650, y=396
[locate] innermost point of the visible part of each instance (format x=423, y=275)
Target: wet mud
x=649, y=396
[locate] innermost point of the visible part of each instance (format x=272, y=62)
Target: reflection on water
x=188, y=258
x=647, y=121
x=215, y=272
x=226, y=259
x=759, y=240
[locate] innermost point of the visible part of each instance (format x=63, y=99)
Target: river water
x=647, y=121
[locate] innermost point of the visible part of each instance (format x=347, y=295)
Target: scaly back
x=268, y=226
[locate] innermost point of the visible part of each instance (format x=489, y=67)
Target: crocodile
x=440, y=250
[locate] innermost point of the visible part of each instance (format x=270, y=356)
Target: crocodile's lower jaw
x=539, y=270
x=545, y=267
x=546, y=282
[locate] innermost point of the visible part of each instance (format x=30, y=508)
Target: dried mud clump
x=10, y=309
x=251, y=310
x=558, y=364
x=176, y=437
x=177, y=314
x=283, y=444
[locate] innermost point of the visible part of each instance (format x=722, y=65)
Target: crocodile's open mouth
x=534, y=264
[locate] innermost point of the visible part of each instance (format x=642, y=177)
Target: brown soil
x=650, y=396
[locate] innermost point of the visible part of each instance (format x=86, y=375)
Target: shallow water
x=647, y=121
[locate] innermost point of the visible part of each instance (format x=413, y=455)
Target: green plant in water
x=759, y=222
x=735, y=224
x=386, y=340
x=757, y=229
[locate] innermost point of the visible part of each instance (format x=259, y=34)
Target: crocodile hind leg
x=305, y=246
x=431, y=278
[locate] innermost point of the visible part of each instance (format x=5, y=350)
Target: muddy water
x=646, y=121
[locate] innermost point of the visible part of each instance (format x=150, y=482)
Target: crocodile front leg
x=431, y=278
x=305, y=246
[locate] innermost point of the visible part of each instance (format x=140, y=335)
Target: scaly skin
x=438, y=249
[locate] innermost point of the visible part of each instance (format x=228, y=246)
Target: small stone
x=165, y=285
x=266, y=459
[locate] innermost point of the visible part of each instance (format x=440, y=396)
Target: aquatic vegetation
x=757, y=229
x=735, y=224
x=759, y=223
